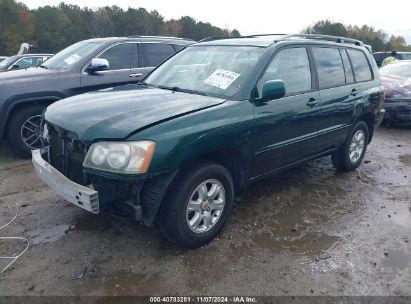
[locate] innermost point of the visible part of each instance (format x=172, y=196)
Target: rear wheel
x=197, y=205
x=352, y=152
x=25, y=130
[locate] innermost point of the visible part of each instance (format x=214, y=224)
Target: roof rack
x=324, y=37
x=159, y=37
x=262, y=35
x=212, y=38
x=290, y=36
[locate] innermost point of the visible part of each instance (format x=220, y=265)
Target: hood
x=29, y=81
x=22, y=76
x=396, y=87
x=118, y=112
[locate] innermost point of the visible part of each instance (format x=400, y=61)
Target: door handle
x=312, y=102
x=136, y=75
x=354, y=92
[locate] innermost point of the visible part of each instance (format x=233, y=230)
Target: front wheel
x=25, y=130
x=352, y=152
x=197, y=205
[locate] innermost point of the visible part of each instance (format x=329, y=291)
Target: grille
x=67, y=154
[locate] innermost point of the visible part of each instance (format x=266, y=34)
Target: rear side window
x=349, y=75
x=329, y=67
x=156, y=53
x=360, y=64
x=291, y=66
x=119, y=56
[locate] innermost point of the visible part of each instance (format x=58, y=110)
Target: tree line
x=52, y=28
x=378, y=39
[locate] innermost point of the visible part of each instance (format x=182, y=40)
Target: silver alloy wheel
x=32, y=131
x=357, y=146
x=205, y=206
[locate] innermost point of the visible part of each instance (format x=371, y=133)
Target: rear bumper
x=76, y=194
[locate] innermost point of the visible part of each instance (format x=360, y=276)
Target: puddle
x=92, y=222
x=48, y=235
x=396, y=263
x=308, y=244
x=403, y=217
x=406, y=159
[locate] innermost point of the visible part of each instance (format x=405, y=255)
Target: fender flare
x=12, y=103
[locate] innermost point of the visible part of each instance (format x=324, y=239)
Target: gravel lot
x=309, y=231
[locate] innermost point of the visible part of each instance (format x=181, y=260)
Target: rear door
x=119, y=57
x=286, y=128
x=338, y=93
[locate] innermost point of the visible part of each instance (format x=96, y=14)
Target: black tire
x=15, y=125
x=341, y=158
x=173, y=216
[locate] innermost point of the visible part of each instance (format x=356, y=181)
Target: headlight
x=122, y=157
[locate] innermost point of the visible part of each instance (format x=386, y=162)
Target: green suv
x=179, y=147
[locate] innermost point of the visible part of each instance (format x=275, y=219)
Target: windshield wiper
x=43, y=67
x=178, y=89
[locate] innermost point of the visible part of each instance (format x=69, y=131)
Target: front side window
x=329, y=67
x=208, y=70
x=291, y=66
x=360, y=64
x=156, y=53
x=119, y=56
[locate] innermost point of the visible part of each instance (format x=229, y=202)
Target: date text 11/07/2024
x=205, y=299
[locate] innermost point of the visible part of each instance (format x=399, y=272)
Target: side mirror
x=273, y=89
x=97, y=65
x=15, y=66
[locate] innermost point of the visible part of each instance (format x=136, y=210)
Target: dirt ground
x=309, y=231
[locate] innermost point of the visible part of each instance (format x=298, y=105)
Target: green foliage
x=378, y=39
x=52, y=28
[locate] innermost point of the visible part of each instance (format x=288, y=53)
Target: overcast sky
x=258, y=16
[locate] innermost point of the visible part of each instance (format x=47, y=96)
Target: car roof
x=31, y=55
x=266, y=40
x=136, y=38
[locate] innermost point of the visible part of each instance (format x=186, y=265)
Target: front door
x=119, y=57
x=286, y=128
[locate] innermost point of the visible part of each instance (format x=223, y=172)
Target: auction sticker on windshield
x=221, y=78
x=72, y=59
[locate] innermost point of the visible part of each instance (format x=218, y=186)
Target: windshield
x=402, y=69
x=210, y=70
x=6, y=62
x=69, y=56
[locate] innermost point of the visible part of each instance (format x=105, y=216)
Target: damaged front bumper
x=76, y=194
x=397, y=110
